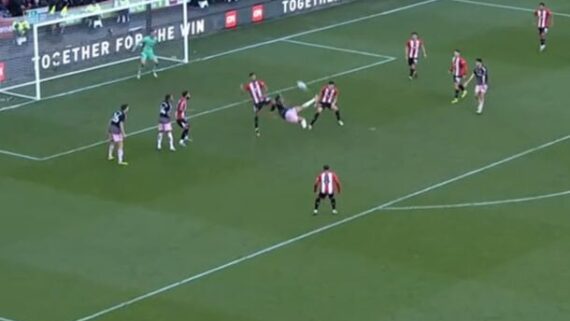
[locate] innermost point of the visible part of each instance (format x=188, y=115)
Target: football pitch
x=445, y=215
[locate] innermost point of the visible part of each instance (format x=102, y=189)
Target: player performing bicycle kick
x=291, y=114
x=147, y=53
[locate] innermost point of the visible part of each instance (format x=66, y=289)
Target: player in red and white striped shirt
x=458, y=70
x=326, y=185
x=181, y=118
x=413, y=48
x=544, y=22
x=257, y=89
x=327, y=99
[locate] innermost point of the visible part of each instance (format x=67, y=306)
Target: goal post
x=88, y=49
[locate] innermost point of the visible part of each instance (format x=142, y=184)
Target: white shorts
x=116, y=138
x=291, y=116
x=165, y=127
x=481, y=89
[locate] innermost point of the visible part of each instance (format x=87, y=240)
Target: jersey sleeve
x=336, y=182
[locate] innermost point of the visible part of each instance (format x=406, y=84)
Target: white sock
x=111, y=149
x=171, y=140
x=159, y=141
x=480, y=108
x=309, y=103
x=120, y=154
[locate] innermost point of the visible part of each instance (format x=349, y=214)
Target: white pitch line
x=18, y=155
x=350, y=51
x=318, y=230
x=6, y=319
x=215, y=110
x=240, y=49
x=478, y=204
x=85, y=88
x=503, y=6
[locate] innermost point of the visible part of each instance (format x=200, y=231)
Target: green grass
x=79, y=234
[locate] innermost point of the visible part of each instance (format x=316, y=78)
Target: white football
x=301, y=85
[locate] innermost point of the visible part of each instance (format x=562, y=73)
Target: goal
x=68, y=53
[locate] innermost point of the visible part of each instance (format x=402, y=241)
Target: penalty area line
x=338, y=49
x=18, y=155
x=504, y=6
x=221, y=108
x=319, y=230
x=6, y=319
x=240, y=49
x=479, y=204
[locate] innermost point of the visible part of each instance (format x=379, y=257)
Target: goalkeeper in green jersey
x=147, y=53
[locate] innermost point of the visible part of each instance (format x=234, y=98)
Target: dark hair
x=167, y=97
x=251, y=74
x=541, y=4
x=479, y=60
x=457, y=50
x=331, y=82
x=278, y=98
x=124, y=107
x=185, y=93
x=414, y=33
x=326, y=167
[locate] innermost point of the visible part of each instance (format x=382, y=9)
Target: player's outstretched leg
x=154, y=68
x=139, y=72
x=337, y=114
x=159, y=141
x=171, y=141
x=121, y=154
x=333, y=204
x=463, y=90
x=256, y=125
x=542, y=40
x=481, y=101
x=317, y=204
x=111, y=150
x=185, y=136
x=413, y=72
x=315, y=117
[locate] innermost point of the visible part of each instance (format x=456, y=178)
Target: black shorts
x=325, y=105
x=323, y=196
x=542, y=31
x=457, y=80
x=183, y=123
x=412, y=61
x=259, y=106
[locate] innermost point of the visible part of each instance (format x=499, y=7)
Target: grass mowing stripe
x=479, y=204
x=503, y=6
x=229, y=52
x=221, y=108
x=320, y=230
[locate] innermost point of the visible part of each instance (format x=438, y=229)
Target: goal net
x=99, y=46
